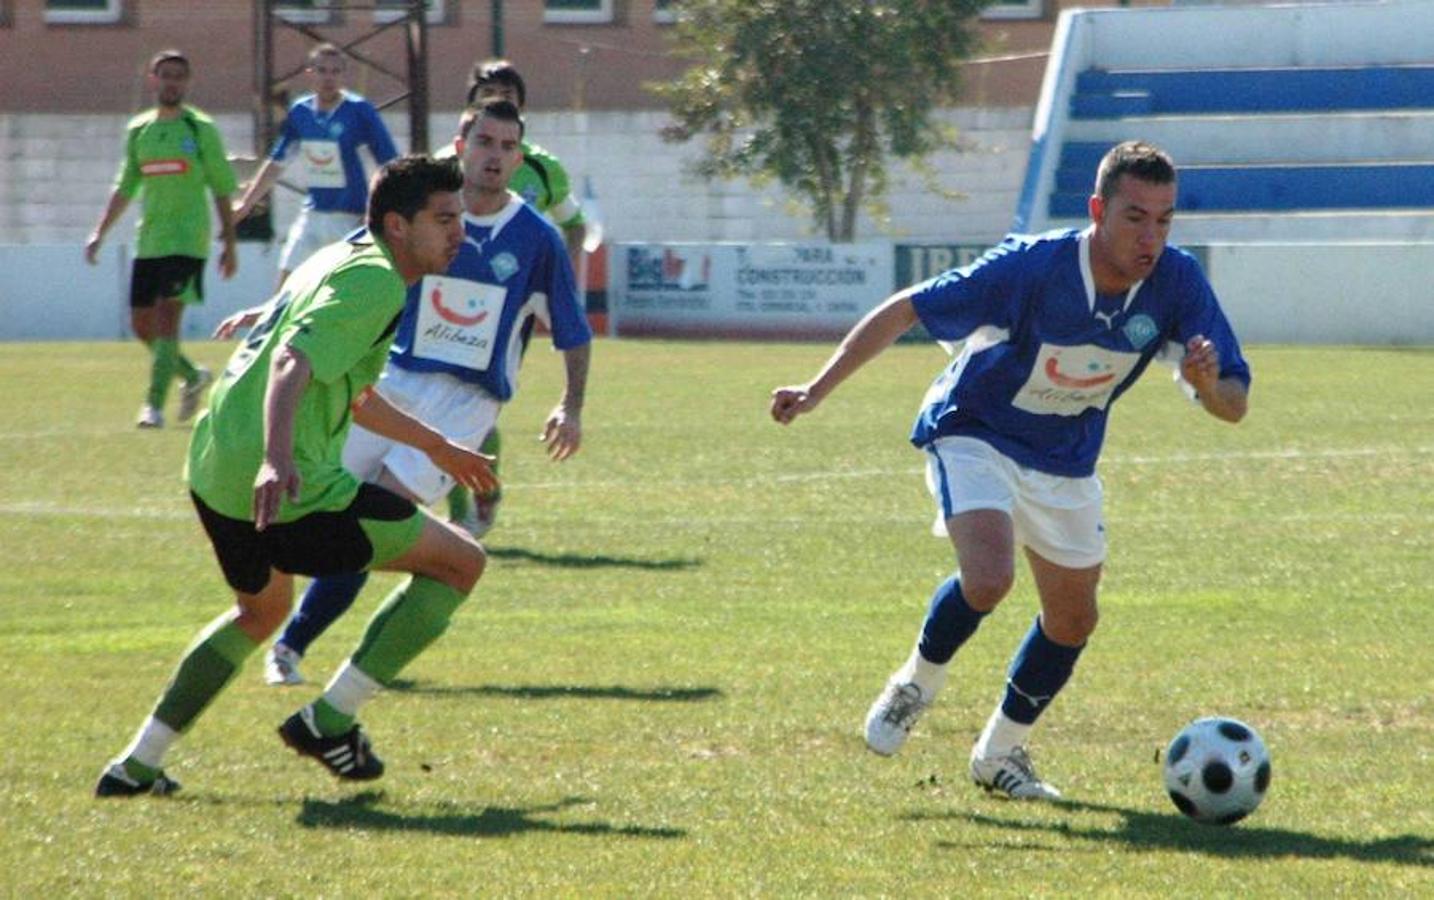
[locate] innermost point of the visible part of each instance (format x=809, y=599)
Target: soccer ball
x=1217, y=770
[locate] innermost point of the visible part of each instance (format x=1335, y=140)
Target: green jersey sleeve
x=217, y=171
x=356, y=309
x=127, y=181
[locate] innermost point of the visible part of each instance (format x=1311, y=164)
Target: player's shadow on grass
x=586, y=561
x=563, y=691
x=1142, y=830
x=361, y=812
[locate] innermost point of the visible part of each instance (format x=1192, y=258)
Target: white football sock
x=1001, y=736
x=925, y=674
x=350, y=688
x=150, y=743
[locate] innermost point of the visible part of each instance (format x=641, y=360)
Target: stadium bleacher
x=1275, y=141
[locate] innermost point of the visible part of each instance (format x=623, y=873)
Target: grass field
x=658, y=687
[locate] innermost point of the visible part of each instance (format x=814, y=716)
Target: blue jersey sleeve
x=288, y=137
x=568, y=322
x=1200, y=314
x=985, y=293
x=379, y=141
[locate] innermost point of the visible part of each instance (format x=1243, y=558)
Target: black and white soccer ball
x=1217, y=770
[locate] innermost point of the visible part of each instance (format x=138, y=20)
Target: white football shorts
x=464, y=412
x=1057, y=517
x=312, y=231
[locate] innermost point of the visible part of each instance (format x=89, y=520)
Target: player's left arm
x=1223, y=398
x=469, y=468
x=380, y=142
x=563, y=432
x=222, y=183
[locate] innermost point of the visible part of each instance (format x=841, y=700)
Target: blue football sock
x=949, y=622
x=326, y=599
x=1039, y=670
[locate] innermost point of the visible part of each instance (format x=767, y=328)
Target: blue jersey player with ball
x=1055, y=327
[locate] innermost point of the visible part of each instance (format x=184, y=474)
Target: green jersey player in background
x=173, y=156
x=266, y=476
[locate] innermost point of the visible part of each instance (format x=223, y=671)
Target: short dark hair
x=403, y=186
x=501, y=110
x=1137, y=159
x=165, y=56
x=495, y=71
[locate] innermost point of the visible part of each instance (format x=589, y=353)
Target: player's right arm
x=118, y=203
x=470, y=469
x=278, y=477
x=878, y=330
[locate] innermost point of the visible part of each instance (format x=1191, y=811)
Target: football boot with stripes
x=1012, y=775
x=348, y=756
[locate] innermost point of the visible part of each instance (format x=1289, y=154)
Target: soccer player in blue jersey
x=1055, y=328
x=322, y=134
x=459, y=344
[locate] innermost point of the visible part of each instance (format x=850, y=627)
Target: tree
x=817, y=94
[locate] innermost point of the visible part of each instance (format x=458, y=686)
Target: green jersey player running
x=266, y=476
x=173, y=155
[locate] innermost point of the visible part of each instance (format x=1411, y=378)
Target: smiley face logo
x=1096, y=374
x=319, y=159
x=470, y=315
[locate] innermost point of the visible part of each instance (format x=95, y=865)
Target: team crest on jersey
x=189, y=146
x=1066, y=381
x=1140, y=330
x=336, y=129
x=504, y=266
x=530, y=193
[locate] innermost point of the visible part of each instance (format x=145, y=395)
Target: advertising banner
x=791, y=291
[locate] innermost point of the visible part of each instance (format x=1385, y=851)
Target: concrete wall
x=1312, y=294
x=56, y=172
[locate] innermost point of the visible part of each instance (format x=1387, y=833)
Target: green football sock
x=330, y=721
x=203, y=672
x=412, y=617
x=184, y=367
x=460, y=500
x=161, y=370
x=493, y=446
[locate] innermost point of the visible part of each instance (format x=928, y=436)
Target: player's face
x=1131, y=228
x=327, y=74
x=491, y=154
x=499, y=92
x=432, y=239
x=170, y=80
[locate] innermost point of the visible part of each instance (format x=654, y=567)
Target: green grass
x=658, y=687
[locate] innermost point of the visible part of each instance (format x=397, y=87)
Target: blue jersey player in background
x=458, y=348
x=1055, y=328
x=321, y=136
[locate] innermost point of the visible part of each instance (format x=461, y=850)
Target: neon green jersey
x=172, y=161
x=339, y=309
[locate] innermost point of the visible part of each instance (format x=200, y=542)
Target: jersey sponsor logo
x=1066, y=381
x=323, y=166
x=505, y=266
x=458, y=321
x=175, y=166
x=471, y=303
x=1140, y=330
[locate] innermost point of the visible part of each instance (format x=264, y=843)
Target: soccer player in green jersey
x=173, y=155
x=542, y=181
x=266, y=476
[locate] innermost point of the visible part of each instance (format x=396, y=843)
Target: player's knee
x=983, y=590
x=467, y=565
x=1071, y=627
